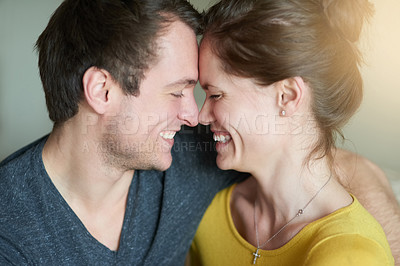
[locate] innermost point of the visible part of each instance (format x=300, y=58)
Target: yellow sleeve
x=349, y=250
x=194, y=258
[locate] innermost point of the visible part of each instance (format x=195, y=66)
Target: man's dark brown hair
x=114, y=35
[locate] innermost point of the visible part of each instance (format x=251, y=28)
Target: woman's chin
x=224, y=163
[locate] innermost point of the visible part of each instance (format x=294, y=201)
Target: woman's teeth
x=222, y=138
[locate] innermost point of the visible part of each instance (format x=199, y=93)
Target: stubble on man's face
x=120, y=154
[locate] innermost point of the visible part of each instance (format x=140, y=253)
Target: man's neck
x=97, y=193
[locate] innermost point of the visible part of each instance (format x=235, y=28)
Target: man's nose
x=189, y=112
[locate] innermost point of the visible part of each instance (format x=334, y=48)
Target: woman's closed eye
x=215, y=96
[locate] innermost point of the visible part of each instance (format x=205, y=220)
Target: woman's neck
x=276, y=193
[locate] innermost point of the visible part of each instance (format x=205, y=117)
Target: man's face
x=146, y=124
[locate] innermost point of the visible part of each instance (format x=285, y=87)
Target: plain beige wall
x=374, y=131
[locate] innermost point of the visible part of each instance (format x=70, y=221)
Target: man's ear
x=291, y=95
x=96, y=89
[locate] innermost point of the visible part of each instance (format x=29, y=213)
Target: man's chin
x=165, y=165
x=162, y=164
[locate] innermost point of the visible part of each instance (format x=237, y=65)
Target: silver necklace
x=300, y=212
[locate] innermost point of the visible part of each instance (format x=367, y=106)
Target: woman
x=281, y=78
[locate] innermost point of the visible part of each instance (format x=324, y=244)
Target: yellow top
x=348, y=236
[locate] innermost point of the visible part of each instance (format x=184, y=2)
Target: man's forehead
x=177, y=58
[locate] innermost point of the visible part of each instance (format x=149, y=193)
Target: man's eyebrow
x=184, y=81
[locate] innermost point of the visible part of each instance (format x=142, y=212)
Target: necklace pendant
x=300, y=212
x=256, y=256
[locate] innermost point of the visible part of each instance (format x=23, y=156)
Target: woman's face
x=242, y=115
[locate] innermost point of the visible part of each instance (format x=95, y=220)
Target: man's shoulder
x=22, y=155
x=194, y=156
x=19, y=167
x=194, y=149
x=194, y=144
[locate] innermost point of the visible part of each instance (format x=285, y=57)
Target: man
x=76, y=196
x=118, y=78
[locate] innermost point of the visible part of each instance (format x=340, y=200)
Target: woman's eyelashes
x=215, y=97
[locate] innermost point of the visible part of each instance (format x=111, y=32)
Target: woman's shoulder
x=350, y=219
x=349, y=234
x=349, y=249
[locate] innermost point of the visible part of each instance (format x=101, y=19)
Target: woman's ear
x=291, y=95
x=96, y=89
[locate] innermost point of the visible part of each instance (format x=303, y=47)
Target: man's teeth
x=167, y=135
x=222, y=138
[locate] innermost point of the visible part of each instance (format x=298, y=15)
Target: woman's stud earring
x=283, y=113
